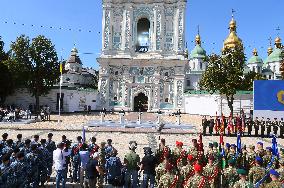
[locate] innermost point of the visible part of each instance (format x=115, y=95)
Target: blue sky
x=257, y=20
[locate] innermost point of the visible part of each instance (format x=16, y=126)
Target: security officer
x=50, y=146
x=275, y=126
x=268, y=127
x=256, y=126
x=211, y=125
x=281, y=125
x=249, y=124
x=204, y=125
x=262, y=127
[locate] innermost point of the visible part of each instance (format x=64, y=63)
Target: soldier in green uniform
x=232, y=152
x=275, y=183
x=251, y=156
x=187, y=171
x=260, y=151
x=256, y=126
x=262, y=127
x=230, y=175
x=168, y=180
x=256, y=172
x=269, y=160
x=197, y=180
x=211, y=171
x=280, y=170
x=102, y=162
x=242, y=183
x=193, y=150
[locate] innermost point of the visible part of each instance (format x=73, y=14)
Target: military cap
x=251, y=146
x=241, y=171
x=28, y=141
x=211, y=157
x=19, y=136
x=210, y=145
x=180, y=144
x=215, y=144
x=232, y=161
x=169, y=167
x=147, y=150
x=6, y=157
x=258, y=159
x=269, y=149
x=20, y=155
x=274, y=172
x=197, y=167
x=233, y=145
x=190, y=157
x=228, y=145
x=50, y=135
x=260, y=143
x=9, y=141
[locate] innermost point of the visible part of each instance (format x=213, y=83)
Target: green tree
x=6, y=84
x=38, y=62
x=247, y=83
x=225, y=73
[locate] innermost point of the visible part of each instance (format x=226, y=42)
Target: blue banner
x=269, y=95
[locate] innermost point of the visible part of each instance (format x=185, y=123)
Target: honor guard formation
x=259, y=127
x=34, y=163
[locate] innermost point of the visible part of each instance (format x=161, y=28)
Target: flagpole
x=60, y=84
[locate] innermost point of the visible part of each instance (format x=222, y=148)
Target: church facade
x=142, y=64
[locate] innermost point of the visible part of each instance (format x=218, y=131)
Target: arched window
x=143, y=35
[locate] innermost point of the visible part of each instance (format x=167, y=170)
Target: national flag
x=61, y=68
x=274, y=146
x=84, y=134
x=239, y=143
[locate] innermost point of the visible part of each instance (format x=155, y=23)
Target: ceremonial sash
x=76, y=149
x=181, y=156
x=173, y=185
x=202, y=183
x=187, y=177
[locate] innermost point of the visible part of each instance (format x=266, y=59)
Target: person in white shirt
x=84, y=159
x=59, y=161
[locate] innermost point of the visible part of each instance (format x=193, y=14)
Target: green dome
x=255, y=59
x=198, y=52
x=275, y=56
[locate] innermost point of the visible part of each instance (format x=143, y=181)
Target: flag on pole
x=239, y=143
x=274, y=146
x=61, y=68
x=84, y=134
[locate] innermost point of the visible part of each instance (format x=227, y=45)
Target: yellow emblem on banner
x=280, y=96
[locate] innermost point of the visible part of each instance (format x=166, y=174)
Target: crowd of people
x=252, y=127
x=30, y=163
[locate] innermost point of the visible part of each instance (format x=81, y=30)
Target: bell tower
x=142, y=52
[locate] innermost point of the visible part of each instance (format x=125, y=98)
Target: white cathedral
x=144, y=64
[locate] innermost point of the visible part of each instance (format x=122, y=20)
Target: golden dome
x=255, y=52
x=269, y=50
x=232, y=40
x=278, y=42
x=198, y=39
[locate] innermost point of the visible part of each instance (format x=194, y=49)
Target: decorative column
x=106, y=27
x=126, y=44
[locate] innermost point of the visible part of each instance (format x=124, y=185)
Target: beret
x=233, y=145
x=241, y=171
x=190, y=157
x=258, y=159
x=269, y=148
x=274, y=172
x=228, y=145
x=210, y=145
x=197, y=167
x=260, y=143
x=215, y=144
x=232, y=161
x=179, y=143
